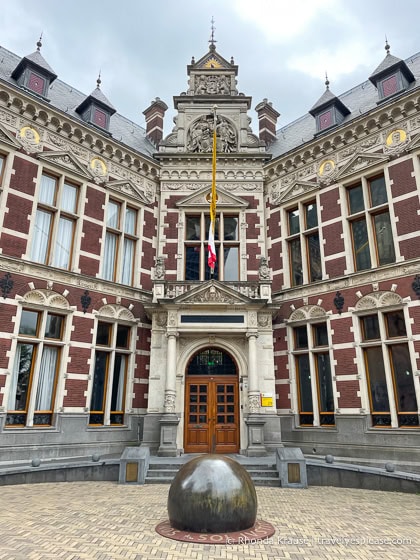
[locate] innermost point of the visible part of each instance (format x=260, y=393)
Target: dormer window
x=96, y=109
x=325, y=120
x=391, y=77
x=328, y=111
x=34, y=74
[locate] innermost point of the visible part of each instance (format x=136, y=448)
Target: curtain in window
x=11, y=405
x=63, y=243
x=47, y=191
x=46, y=379
x=118, y=383
x=109, y=256
x=69, y=198
x=41, y=236
x=128, y=258
x=130, y=221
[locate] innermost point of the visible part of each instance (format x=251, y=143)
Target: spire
x=387, y=46
x=98, y=81
x=327, y=82
x=39, y=44
x=212, y=41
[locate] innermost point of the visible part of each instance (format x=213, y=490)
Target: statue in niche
x=263, y=270
x=201, y=135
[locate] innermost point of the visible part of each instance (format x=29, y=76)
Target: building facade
x=114, y=331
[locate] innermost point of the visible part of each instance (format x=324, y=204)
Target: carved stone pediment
x=296, y=190
x=376, y=300
x=307, y=312
x=7, y=138
x=201, y=199
x=414, y=144
x=65, y=161
x=213, y=293
x=128, y=189
x=212, y=61
x=360, y=162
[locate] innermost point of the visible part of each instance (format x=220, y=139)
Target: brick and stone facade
x=315, y=299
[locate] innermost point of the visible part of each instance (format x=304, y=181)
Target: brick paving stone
x=107, y=521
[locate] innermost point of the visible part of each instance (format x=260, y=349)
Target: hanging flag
x=211, y=260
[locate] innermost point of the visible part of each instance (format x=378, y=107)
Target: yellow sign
x=266, y=400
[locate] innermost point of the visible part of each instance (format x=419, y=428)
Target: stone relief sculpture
x=263, y=270
x=200, y=136
x=212, y=85
x=160, y=269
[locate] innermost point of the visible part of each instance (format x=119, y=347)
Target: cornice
x=45, y=273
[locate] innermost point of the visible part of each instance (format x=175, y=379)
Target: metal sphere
x=212, y=494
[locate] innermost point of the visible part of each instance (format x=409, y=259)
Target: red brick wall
x=19, y=209
x=348, y=394
x=82, y=327
x=403, y=182
x=5, y=345
x=281, y=363
x=283, y=400
x=140, y=400
x=345, y=361
x=342, y=331
x=92, y=235
x=333, y=240
x=335, y=267
x=328, y=200
x=12, y=246
x=95, y=203
x=25, y=175
x=273, y=226
x=75, y=392
x=408, y=218
x=88, y=266
x=79, y=360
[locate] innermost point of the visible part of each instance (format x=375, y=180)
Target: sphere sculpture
x=212, y=494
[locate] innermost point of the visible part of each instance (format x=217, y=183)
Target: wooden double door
x=211, y=414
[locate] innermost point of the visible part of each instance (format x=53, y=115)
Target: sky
x=142, y=47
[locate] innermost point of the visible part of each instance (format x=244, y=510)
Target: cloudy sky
x=142, y=47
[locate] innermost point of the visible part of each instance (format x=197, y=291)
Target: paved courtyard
x=107, y=521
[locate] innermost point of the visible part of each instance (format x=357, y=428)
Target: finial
x=192, y=60
x=387, y=46
x=98, y=81
x=232, y=60
x=212, y=40
x=327, y=82
x=39, y=44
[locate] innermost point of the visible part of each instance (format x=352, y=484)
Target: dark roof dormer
x=329, y=110
x=392, y=76
x=34, y=74
x=96, y=109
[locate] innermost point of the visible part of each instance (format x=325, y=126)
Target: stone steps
x=261, y=474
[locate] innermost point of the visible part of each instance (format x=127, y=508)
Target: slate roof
x=359, y=100
x=66, y=99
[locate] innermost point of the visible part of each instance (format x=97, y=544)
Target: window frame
x=301, y=238
x=56, y=213
x=32, y=417
x=220, y=244
x=104, y=417
x=394, y=417
x=317, y=418
x=367, y=215
x=120, y=234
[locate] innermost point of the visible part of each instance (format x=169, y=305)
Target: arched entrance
x=211, y=403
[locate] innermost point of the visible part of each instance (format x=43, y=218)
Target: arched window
x=211, y=361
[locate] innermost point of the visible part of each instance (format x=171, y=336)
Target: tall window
x=313, y=375
x=370, y=224
x=55, y=222
x=112, y=355
x=226, y=237
x=303, y=244
x=35, y=369
x=2, y=165
x=388, y=370
x=120, y=243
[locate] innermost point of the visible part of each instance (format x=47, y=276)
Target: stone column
x=169, y=421
x=255, y=421
x=170, y=386
x=253, y=392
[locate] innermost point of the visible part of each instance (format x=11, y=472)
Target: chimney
x=154, y=120
x=267, y=117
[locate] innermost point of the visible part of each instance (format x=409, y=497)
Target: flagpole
x=212, y=249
